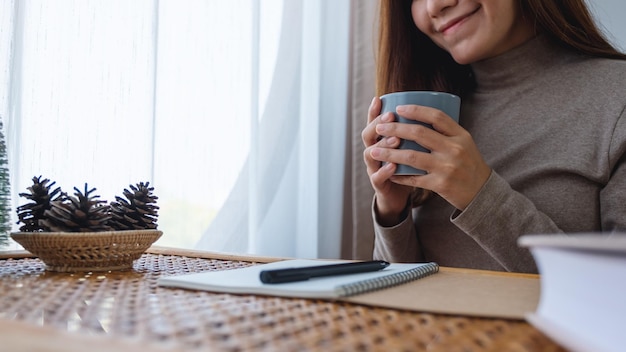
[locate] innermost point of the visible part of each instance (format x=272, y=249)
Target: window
x=206, y=100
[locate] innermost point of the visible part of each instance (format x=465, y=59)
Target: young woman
x=541, y=142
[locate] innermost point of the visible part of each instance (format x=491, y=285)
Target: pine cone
x=139, y=212
x=30, y=214
x=82, y=213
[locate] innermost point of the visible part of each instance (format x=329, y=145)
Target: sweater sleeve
x=613, y=194
x=497, y=217
x=396, y=243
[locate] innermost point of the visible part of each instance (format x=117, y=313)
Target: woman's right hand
x=391, y=198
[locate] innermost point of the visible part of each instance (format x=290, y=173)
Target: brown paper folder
x=454, y=291
x=461, y=292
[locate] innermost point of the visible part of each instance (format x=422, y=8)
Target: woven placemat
x=130, y=305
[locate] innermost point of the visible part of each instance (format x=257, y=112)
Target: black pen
x=300, y=274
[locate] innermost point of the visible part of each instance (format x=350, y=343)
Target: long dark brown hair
x=408, y=60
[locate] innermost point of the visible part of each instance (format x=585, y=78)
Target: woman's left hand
x=455, y=168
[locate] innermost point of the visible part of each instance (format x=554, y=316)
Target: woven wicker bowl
x=87, y=251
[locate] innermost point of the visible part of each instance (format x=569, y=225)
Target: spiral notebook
x=246, y=280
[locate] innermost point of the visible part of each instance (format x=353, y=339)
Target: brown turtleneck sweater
x=552, y=126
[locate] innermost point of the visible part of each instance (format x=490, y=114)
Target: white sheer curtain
x=290, y=199
x=235, y=110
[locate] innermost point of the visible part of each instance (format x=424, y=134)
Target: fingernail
x=387, y=117
x=401, y=108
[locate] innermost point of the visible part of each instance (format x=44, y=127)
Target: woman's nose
x=436, y=7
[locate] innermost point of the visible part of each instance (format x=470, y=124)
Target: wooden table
x=126, y=310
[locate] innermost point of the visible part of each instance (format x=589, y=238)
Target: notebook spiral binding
x=387, y=281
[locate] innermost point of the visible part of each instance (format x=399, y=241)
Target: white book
x=247, y=280
x=582, y=301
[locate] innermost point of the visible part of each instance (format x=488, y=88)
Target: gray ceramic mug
x=446, y=102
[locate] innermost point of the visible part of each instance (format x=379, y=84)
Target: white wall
x=610, y=14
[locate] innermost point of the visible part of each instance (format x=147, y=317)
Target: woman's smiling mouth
x=455, y=22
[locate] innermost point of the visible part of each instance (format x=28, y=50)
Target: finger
x=440, y=121
x=420, y=134
x=369, y=134
x=428, y=182
x=378, y=172
x=372, y=165
x=382, y=175
x=416, y=159
x=417, y=181
x=374, y=109
x=385, y=143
